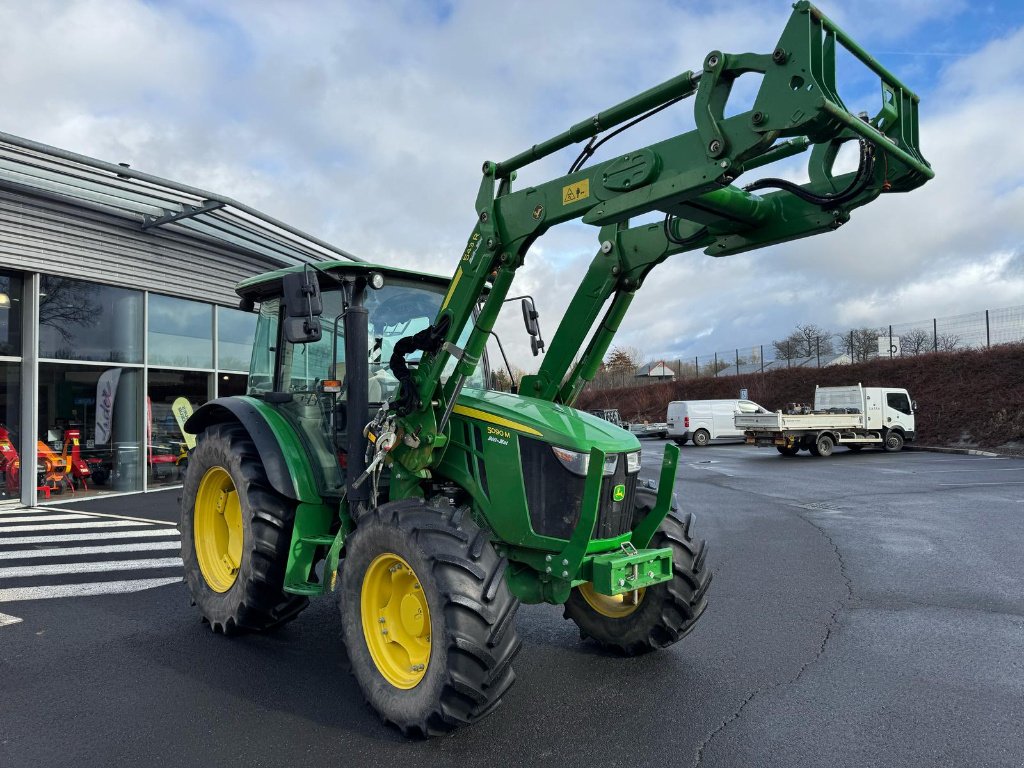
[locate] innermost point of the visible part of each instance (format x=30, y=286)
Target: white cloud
x=366, y=124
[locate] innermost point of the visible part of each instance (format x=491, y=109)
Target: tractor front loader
x=370, y=460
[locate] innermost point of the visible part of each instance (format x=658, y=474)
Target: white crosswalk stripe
x=48, y=553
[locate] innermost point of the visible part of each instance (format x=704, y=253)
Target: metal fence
x=977, y=330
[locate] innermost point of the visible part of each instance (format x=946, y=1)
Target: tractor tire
x=788, y=450
x=427, y=618
x=664, y=613
x=701, y=438
x=893, y=442
x=235, y=535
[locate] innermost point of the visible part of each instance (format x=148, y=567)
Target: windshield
x=397, y=310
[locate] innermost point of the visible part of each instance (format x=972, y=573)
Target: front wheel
x=893, y=442
x=701, y=438
x=655, y=617
x=427, y=618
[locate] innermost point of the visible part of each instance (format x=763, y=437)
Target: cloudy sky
x=365, y=123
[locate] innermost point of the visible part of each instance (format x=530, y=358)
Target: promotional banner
x=106, y=391
x=182, y=410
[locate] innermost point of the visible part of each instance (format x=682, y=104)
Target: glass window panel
x=180, y=332
x=261, y=372
x=88, y=430
x=10, y=314
x=173, y=395
x=10, y=434
x=231, y=384
x=235, y=331
x=88, y=321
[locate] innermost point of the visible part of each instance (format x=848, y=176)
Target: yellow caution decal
x=578, y=190
x=451, y=288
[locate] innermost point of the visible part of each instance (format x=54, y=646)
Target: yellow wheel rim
x=396, y=621
x=217, y=529
x=612, y=606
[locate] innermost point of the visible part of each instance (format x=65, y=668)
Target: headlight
x=633, y=462
x=579, y=463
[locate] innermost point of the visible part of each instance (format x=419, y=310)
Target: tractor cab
x=321, y=382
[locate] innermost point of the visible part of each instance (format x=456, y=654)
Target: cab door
x=898, y=411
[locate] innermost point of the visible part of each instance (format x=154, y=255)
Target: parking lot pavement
x=867, y=609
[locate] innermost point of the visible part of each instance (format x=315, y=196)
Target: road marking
x=66, y=568
x=60, y=538
x=952, y=471
x=85, y=523
x=81, y=590
x=120, y=517
x=29, y=554
x=6, y=620
x=964, y=485
x=42, y=518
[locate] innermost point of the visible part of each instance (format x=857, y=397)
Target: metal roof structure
x=29, y=167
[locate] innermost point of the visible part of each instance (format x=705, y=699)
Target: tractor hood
x=553, y=423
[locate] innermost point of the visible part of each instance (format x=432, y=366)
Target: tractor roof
x=269, y=283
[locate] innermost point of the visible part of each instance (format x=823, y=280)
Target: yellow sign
x=573, y=193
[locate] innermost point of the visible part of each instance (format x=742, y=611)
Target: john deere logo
x=618, y=492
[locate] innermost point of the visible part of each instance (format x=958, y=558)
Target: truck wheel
x=701, y=438
x=235, y=534
x=893, y=442
x=427, y=618
x=788, y=450
x=824, y=446
x=663, y=614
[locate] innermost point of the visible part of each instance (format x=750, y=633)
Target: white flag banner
x=106, y=391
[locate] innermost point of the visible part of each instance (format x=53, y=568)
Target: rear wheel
x=824, y=446
x=428, y=621
x=235, y=533
x=655, y=617
x=893, y=442
x=701, y=438
x=788, y=450
x=681, y=440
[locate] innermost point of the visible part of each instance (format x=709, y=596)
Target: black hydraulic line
x=594, y=143
x=865, y=168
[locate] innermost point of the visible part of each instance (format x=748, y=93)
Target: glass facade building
x=118, y=317
x=114, y=374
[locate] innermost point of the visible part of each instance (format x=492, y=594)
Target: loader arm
x=690, y=179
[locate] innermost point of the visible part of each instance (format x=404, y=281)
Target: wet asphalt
x=867, y=609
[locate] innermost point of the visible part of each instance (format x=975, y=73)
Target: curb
x=960, y=451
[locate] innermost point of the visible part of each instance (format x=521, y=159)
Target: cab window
x=898, y=402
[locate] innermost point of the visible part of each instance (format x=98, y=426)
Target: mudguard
x=279, y=446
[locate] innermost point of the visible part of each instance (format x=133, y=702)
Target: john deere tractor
x=370, y=460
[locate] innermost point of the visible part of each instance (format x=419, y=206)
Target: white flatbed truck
x=855, y=417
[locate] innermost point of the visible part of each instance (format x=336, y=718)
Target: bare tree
x=915, y=341
x=806, y=341
x=66, y=304
x=947, y=342
x=862, y=343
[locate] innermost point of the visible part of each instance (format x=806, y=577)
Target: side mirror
x=530, y=319
x=302, y=307
x=913, y=405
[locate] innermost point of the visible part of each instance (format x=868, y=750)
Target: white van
x=705, y=420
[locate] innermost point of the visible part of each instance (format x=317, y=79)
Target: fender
x=280, y=448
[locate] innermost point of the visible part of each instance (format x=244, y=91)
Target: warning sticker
x=573, y=193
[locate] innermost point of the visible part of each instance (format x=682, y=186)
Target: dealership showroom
x=117, y=318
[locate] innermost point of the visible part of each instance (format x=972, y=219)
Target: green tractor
x=371, y=461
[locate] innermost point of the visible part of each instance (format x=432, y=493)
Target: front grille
x=554, y=494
